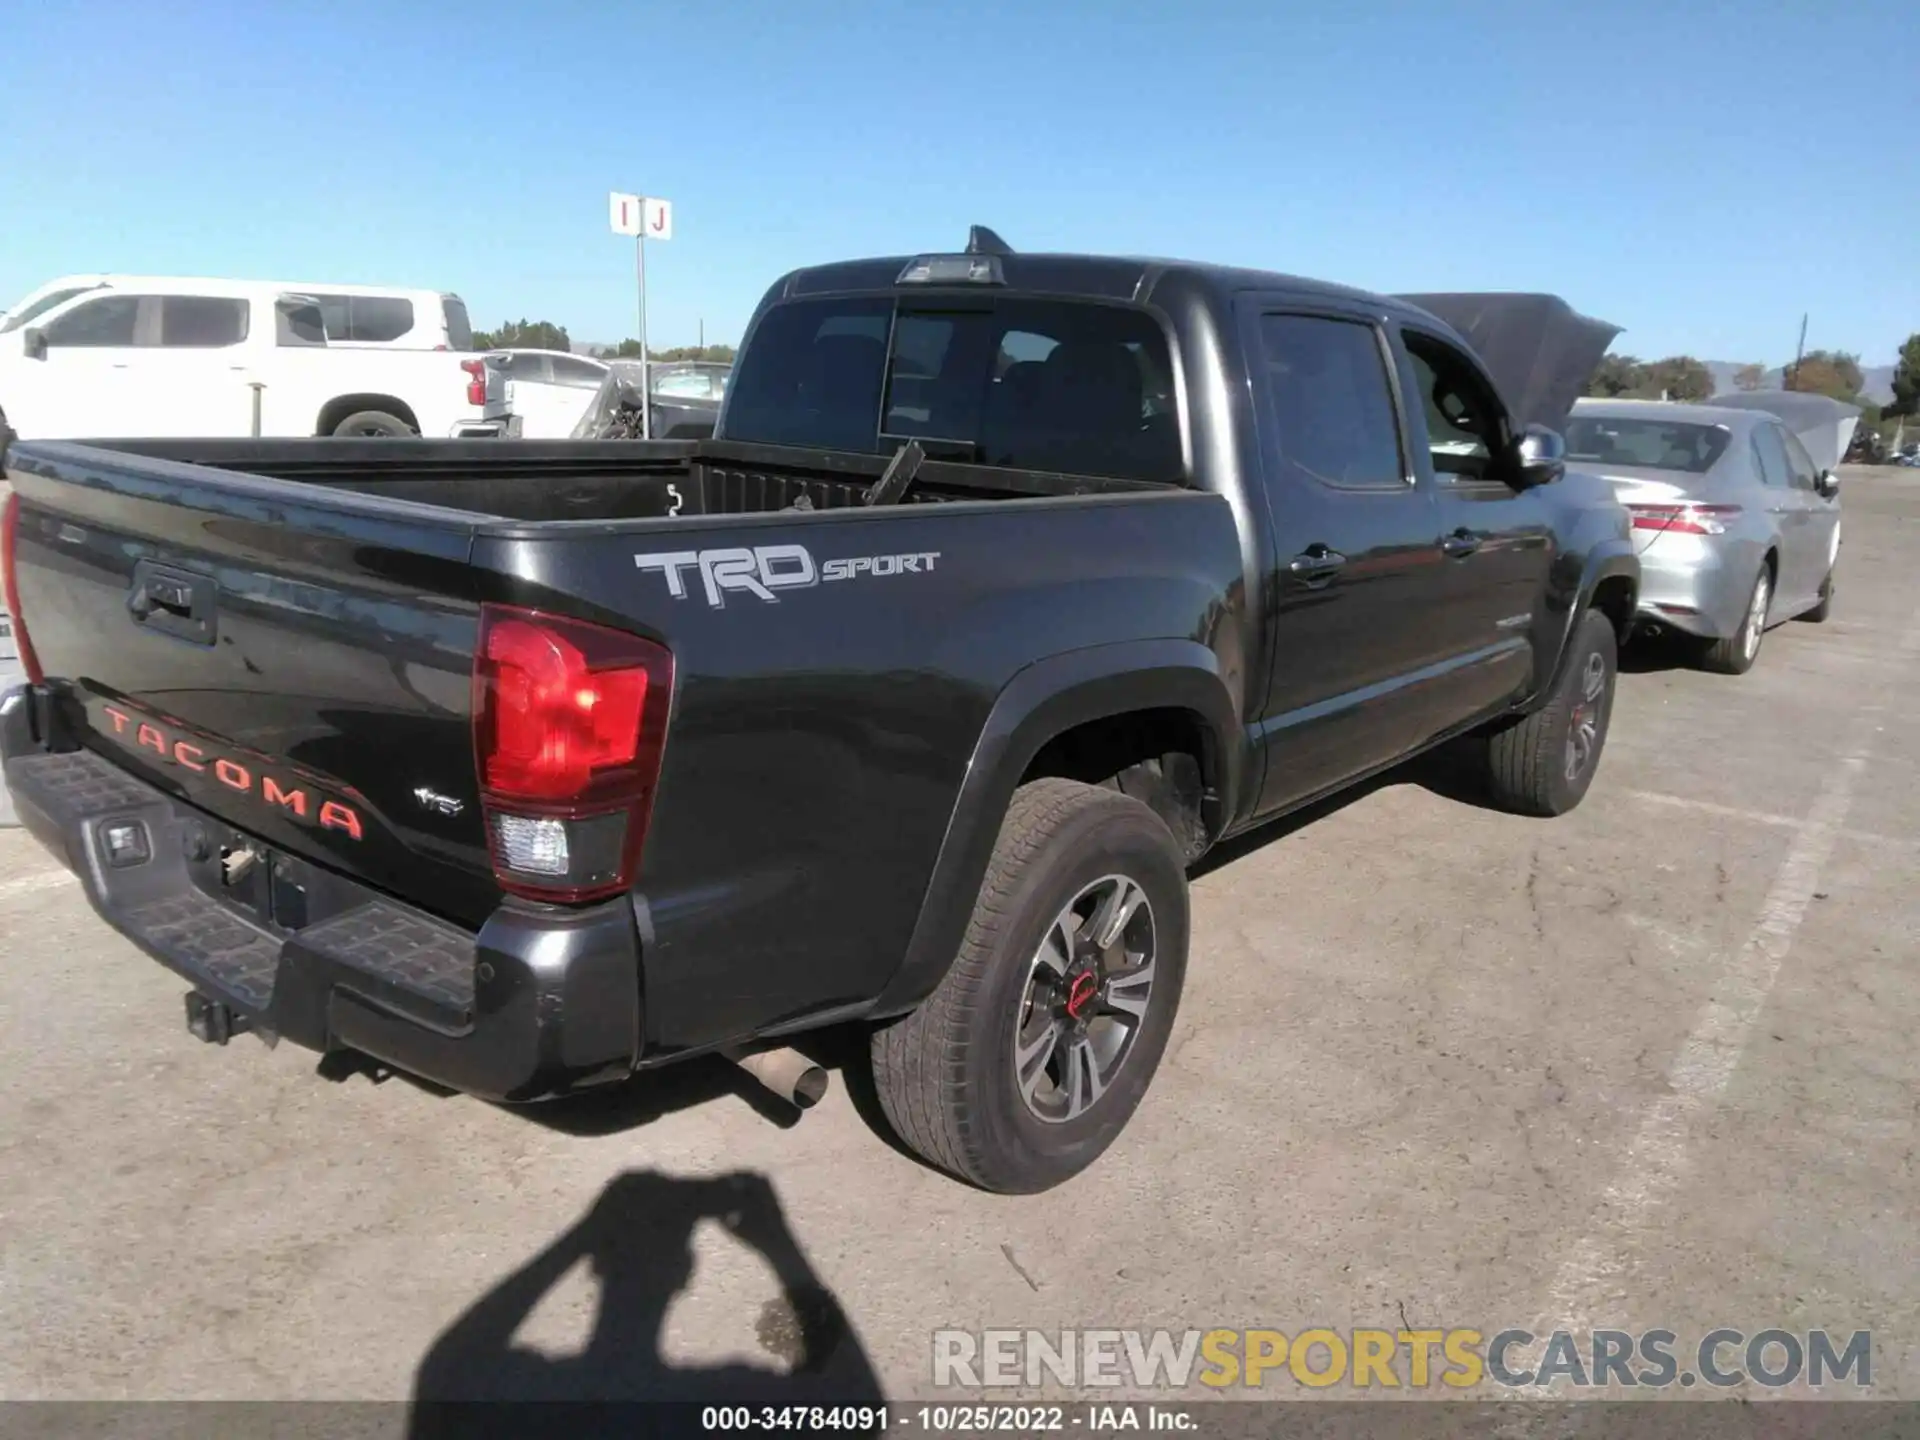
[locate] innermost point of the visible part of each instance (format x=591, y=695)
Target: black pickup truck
x=1008, y=585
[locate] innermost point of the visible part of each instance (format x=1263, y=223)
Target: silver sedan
x=1736, y=527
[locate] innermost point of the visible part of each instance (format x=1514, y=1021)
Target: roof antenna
x=982, y=241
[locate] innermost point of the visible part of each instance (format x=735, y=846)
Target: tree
x=629, y=349
x=1679, y=377
x=1906, y=380
x=524, y=335
x=1749, y=377
x=1827, y=372
x=1617, y=375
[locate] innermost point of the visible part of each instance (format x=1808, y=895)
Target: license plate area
x=269, y=886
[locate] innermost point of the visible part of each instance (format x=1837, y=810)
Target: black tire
x=1736, y=653
x=374, y=424
x=1531, y=764
x=945, y=1074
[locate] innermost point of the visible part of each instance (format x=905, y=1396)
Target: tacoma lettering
x=297, y=799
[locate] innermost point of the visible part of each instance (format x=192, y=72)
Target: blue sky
x=1698, y=173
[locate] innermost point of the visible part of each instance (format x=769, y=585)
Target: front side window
x=1806, y=475
x=1770, y=454
x=1327, y=383
x=1463, y=416
x=202, y=322
x=107, y=321
x=1052, y=385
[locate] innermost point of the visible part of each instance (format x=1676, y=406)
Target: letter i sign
x=640, y=215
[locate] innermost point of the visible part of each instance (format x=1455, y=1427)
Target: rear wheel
x=1543, y=763
x=1030, y=1057
x=372, y=424
x=1736, y=653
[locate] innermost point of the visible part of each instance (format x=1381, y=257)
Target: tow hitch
x=213, y=1021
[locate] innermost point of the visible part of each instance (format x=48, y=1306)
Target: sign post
x=642, y=216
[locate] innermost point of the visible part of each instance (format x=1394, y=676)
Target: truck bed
x=557, y=480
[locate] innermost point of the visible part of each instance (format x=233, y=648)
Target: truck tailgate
x=298, y=663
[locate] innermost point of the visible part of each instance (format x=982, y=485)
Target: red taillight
x=1685, y=519
x=9, y=571
x=569, y=720
x=476, y=381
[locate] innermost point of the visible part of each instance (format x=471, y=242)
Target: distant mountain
x=1877, y=380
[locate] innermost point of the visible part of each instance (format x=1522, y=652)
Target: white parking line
x=1587, y=1286
x=1761, y=817
x=30, y=884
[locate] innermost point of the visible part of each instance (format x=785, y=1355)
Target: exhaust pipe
x=787, y=1073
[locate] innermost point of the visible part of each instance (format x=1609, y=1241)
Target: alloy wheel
x=1583, y=733
x=1085, y=1000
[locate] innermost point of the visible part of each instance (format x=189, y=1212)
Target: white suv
x=370, y=316
x=207, y=358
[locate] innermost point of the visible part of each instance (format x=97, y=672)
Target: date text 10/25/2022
x=1098, y=1419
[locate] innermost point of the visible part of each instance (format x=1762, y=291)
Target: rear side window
x=366, y=319
x=459, y=328
x=202, y=322
x=106, y=321
x=1327, y=382
x=1053, y=385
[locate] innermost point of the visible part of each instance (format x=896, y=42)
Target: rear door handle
x=1459, y=543
x=1316, y=565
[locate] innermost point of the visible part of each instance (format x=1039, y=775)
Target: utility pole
x=646, y=372
x=1799, y=354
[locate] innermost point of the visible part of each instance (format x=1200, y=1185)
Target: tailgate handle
x=175, y=602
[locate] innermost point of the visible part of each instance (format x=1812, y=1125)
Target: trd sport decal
x=766, y=568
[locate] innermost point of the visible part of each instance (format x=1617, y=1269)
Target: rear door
x=194, y=366
x=1496, y=542
x=1356, y=573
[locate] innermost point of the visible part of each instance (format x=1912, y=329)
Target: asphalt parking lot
x=1649, y=1065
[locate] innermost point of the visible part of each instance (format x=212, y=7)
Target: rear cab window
x=459, y=327
x=1063, y=386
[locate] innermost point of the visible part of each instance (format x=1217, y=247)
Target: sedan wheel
x=1735, y=654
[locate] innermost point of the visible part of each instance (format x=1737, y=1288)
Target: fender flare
x=1608, y=560
x=1040, y=702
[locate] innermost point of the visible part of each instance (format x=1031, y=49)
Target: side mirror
x=1539, y=456
x=33, y=340
x=1828, y=484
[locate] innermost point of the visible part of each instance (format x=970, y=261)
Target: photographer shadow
x=638, y=1238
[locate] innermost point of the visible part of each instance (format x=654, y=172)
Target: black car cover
x=1540, y=351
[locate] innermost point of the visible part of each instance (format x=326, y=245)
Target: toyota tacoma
x=1007, y=587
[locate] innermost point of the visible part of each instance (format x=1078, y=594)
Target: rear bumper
x=538, y=1003
x=1697, y=584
